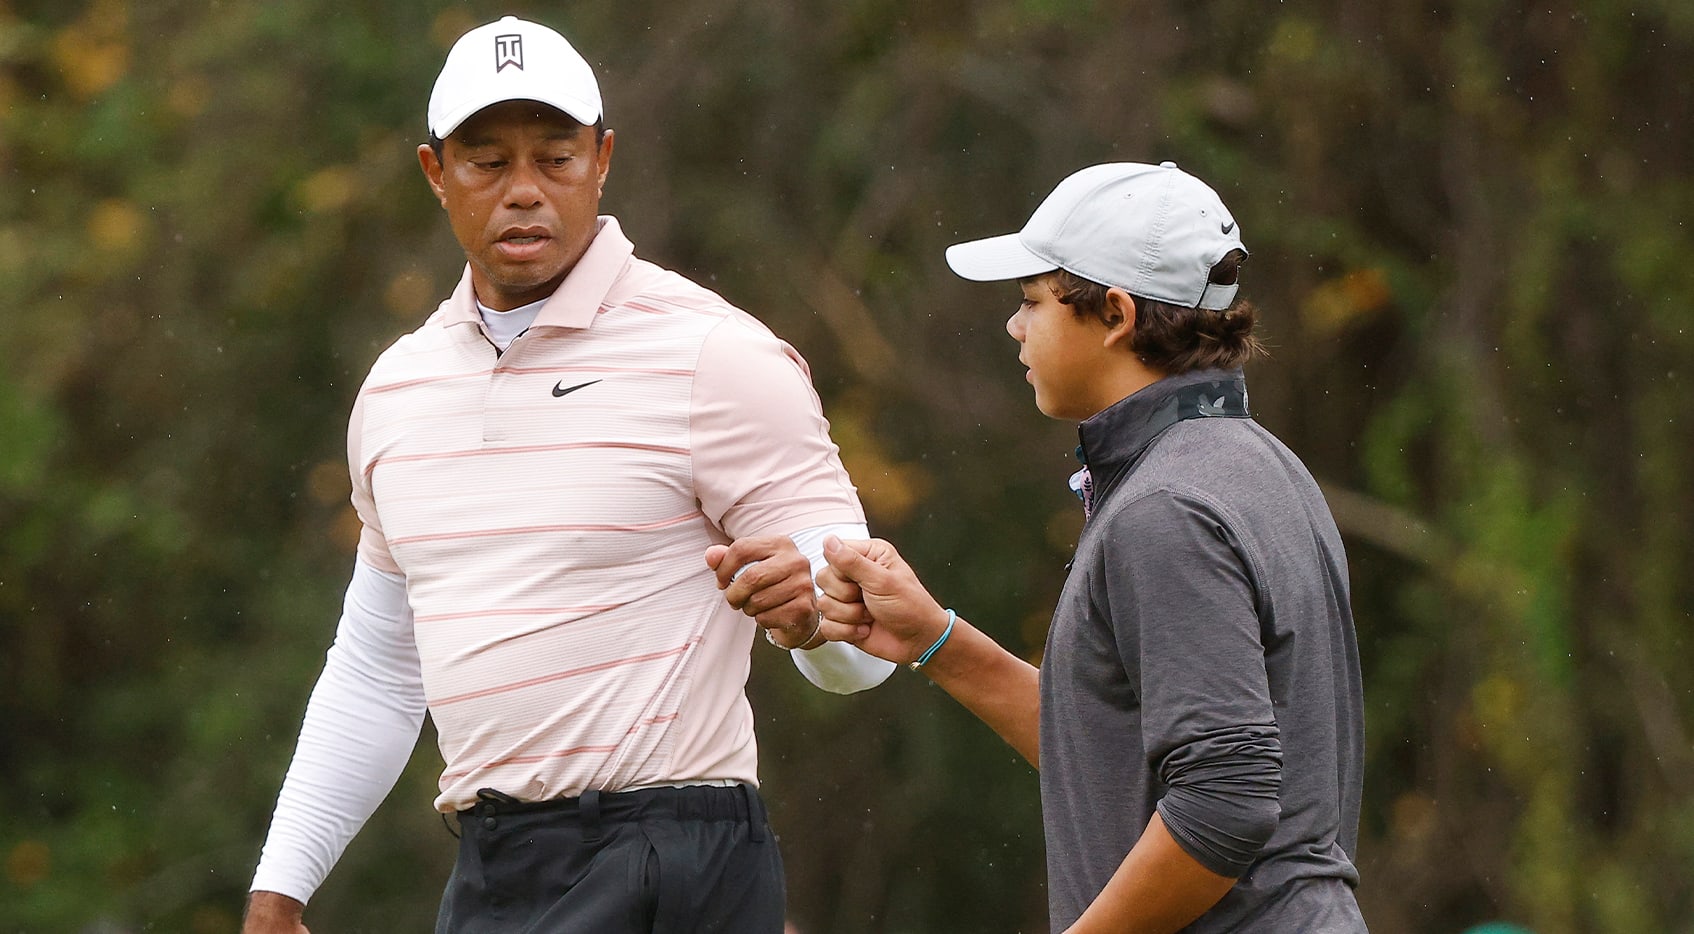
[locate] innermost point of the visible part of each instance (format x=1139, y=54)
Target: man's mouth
x=522, y=243
x=524, y=234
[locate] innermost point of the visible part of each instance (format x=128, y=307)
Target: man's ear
x=605, y=155
x=1119, y=316
x=432, y=170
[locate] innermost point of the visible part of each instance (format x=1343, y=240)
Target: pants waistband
x=594, y=808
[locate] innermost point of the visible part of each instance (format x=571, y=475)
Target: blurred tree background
x=1470, y=245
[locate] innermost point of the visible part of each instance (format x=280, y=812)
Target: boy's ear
x=1119, y=315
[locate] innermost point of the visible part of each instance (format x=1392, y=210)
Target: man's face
x=1066, y=354
x=521, y=184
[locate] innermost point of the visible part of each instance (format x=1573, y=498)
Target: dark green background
x=1470, y=248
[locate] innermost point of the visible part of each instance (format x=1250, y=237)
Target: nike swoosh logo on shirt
x=559, y=388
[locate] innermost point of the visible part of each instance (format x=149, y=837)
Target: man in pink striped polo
x=585, y=483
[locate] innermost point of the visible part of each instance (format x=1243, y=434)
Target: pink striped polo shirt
x=550, y=508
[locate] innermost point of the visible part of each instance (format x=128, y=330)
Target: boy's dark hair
x=436, y=142
x=1170, y=338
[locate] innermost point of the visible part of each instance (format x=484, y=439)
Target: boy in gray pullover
x=1198, y=716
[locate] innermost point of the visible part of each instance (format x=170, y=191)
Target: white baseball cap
x=512, y=60
x=1151, y=230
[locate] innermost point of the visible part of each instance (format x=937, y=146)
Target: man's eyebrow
x=560, y=135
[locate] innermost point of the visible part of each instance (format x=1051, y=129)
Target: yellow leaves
x=1064, y=528
x=408, y=294
x=1497, y=700
x=212, y=919
x=335, y=189
x=14, y=251
x=890, y=489
x=1296, y=41
x=1340, y=302
x=89, y=66
x=188, y=96
x=92, y=54
x=116, y=225
x=327, y=485
x=1033, y=628
x=1513, y=722
x=28, y=863
x=326, y=190
x=1413, y=817
x=8, y=97
x=344, y=532
x=327, y=482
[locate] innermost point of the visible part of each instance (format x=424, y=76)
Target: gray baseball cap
x=1151, y=230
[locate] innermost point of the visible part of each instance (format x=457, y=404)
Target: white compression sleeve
x=836, y=666
x=360, y=727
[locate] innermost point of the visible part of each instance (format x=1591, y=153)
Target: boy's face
x=1066, y=354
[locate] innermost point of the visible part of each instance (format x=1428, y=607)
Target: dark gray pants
x=660, y=860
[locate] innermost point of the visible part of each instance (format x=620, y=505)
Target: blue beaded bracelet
x=923, y=659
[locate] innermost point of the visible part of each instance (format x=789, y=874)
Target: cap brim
x=996, y=259
x=570, y=107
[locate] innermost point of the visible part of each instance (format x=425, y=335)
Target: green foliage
x=1470, y=247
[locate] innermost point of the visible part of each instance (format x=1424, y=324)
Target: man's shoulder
x=413, y=355
x=647, y=286
x=652, y=299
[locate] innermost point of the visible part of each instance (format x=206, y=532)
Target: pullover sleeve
x=360, y=727
x=1190, y=637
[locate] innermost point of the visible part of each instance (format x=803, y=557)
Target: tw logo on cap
x=508, y=50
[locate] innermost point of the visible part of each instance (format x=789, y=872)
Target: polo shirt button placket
x=494, y=416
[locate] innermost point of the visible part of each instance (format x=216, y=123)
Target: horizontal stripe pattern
x=545, y=529
x=553, y=548
x=439, y=702
x=553, y=545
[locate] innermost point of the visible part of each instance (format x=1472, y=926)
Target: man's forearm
x=1158, y=889
x=1004, y=691
x=358, y=732
x=272, y=913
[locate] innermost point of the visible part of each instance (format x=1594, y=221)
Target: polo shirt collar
x=579, y=298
